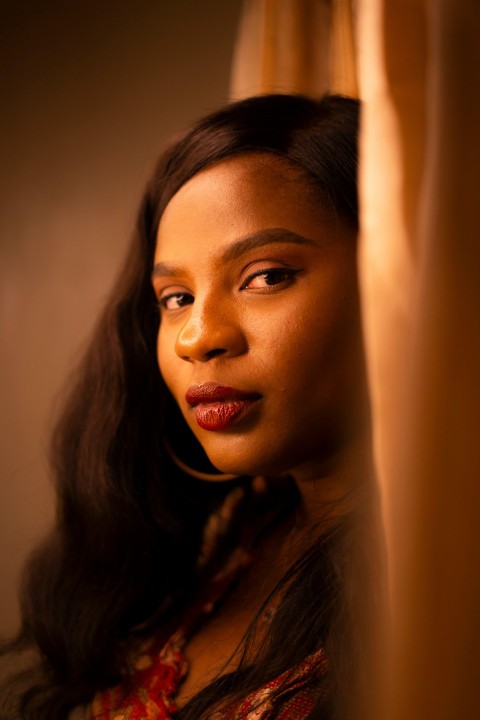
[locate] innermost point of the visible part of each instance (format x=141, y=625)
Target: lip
x=218, y=407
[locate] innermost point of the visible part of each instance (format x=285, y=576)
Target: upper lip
x=212, y=393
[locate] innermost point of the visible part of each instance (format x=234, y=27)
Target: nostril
x=214, y=353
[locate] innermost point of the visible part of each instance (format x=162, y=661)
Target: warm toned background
x=90, y=91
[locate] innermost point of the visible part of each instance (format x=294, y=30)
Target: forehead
x=236, y=197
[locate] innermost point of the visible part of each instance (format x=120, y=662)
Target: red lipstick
x=218, y=407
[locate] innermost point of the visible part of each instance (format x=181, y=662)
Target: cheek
x=287, y=350
x=167, y=359
x=315, y=346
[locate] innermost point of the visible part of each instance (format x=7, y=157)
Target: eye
x=175, y=300
x=269, y=279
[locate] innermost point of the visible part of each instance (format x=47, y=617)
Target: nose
x=212, y=329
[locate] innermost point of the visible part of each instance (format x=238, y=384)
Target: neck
x=328, y=486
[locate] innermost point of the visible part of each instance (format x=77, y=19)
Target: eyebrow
x=240, y=247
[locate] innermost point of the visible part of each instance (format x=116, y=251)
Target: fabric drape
x=294, y=46
x=415, y=65
x=420, y=264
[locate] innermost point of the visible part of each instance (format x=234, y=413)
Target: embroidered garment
x=291, y=696
x=160, y=668
x=159, y=671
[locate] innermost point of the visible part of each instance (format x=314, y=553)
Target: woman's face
x=259, y=339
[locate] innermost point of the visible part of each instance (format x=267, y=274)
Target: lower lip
x=221, y=415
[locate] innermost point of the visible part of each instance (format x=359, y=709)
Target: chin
x=252, y=464
x=252, y=456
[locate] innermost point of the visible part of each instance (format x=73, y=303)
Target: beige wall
x=90, y=91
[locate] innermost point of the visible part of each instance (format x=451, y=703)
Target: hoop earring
x=191, y=471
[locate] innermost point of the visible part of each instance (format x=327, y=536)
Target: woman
x=231, y=343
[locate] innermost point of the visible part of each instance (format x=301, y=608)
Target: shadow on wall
x=91, y=93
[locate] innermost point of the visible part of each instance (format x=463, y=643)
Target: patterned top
x=160, y=668
x=290, y=696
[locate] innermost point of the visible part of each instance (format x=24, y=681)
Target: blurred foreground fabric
x=415, y=64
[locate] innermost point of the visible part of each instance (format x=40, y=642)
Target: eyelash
x=287, y=275
x=162, y=303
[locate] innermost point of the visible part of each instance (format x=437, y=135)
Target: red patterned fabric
x=159, y=670
x=291, y=696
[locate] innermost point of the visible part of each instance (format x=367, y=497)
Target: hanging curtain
x=294, y=46
x=418, y=69
x=419, y=65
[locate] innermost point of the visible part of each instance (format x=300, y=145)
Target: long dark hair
x=129, y=523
